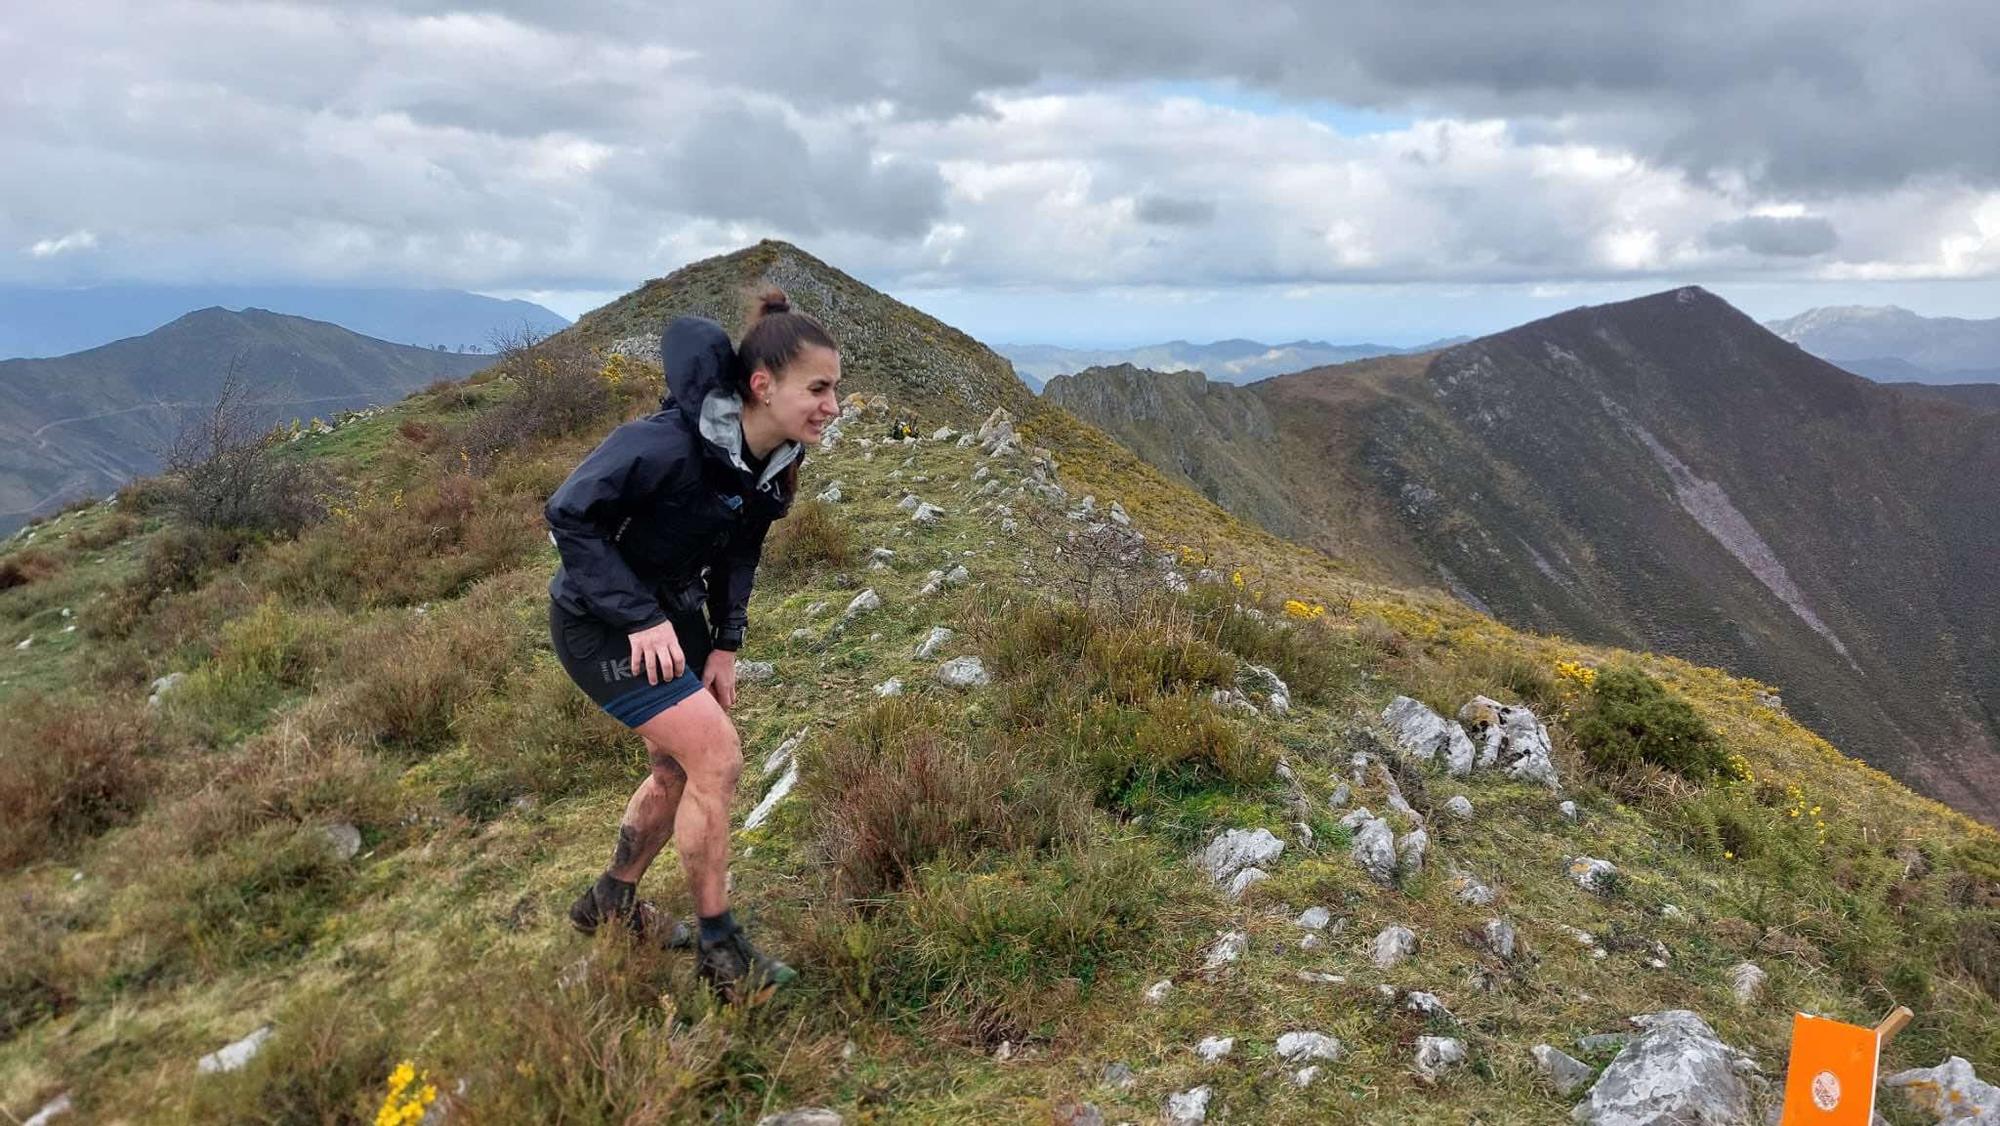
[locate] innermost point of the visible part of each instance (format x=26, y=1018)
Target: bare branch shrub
x=558, y=389
x=1090, y=561
x=225, y=470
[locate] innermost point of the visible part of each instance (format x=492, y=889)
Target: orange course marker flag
x=1830, y=1080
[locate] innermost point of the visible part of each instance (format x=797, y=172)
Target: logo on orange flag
x=1830, y=1080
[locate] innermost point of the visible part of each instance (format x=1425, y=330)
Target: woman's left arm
x=729, y=581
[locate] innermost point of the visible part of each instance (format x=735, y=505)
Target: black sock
x=715, y=928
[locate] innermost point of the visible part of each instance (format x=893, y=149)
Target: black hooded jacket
x=664, y=513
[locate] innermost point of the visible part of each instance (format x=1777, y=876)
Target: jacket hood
x=701, y=375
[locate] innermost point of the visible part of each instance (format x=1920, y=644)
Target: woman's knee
x=701, y=743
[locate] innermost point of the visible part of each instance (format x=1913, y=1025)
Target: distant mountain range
x=55, y=322
x=1658, y=474
x=1225, y=361
x=1891, y=344
x=86, y=423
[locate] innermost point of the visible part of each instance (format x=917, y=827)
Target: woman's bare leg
x=648, y=823
x=696, y=734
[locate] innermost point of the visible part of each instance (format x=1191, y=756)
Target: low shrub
x=811, y=538
x=68, y=771
x=177, y=559
x=28, y=565
x=1629, y=718
x=558, y=389
x=892, y=792
x=328, y=1052
x=113, y=529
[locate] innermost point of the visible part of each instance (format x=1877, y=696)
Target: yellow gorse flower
x=409, y=1098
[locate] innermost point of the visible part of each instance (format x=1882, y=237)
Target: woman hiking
x=665, y=517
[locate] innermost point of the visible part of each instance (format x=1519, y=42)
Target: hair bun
x=776, y=303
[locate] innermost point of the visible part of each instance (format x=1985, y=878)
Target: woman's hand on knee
x=657, y=651
x=718, y=675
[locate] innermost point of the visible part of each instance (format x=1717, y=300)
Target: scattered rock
x=1118, y=515
x=1076, y=1114
x=1568, y=810
x=1592, y=874
x=755, y=672
x=1410, y=852
x=233, y=1056
x=777, y=794
x=1188, y=1108
x=1259, y=679
x=964, y=672
x=1342, y=794
x=910, y=502
x=1227, y=949
x=926, y=514
x=1233, y=700
x=880, y=555
x=1213, y=1048
x=163, y=686
x=1304, y=1076
x=1157, y=992
x=1746, y=980
x=1437, y=1054
x=1313, y=918
x=1374, y=851
x=890, y=687
x=1357, y=817
x=865, y=601
x=1118, y=1076
x=805, y=1115
x=1512, y=738
x=932, y=642
x=1311, y=941
x=1395, y=943
x=1470, y=891
x=51, y=1110
x=344, y=839
x=1675, y=1070
x=1233, y=850
x=781, y=755
x=1426, y=1005
x=1426, y=735
x=829, y=495
x=1951, y=1092
x=1315, y=977
x=1500, y=937
x=1459, y=806
x=1245, y=880
x=1565, y=1072
x=1298, y=1047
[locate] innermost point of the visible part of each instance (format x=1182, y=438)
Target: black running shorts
x=598, y=656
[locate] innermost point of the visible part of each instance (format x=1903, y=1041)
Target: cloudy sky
x=1088, y=174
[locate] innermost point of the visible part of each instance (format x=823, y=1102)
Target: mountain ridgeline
x=1661, y=474
x=87, y=423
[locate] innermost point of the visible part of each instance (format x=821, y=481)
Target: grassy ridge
x=957, y=871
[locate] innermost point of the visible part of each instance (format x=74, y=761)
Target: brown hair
x=774, y=335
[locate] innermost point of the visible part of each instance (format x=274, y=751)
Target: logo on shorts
x=615, y=670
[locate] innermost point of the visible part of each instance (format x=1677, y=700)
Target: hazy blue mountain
x=55, y=322
x=1885, y=342
x=86, y=423
x=1225, y=361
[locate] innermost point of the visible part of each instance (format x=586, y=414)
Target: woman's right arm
x=584, y=515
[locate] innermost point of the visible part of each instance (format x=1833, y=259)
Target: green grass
x=956, y=871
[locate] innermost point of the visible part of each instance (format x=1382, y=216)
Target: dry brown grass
x=812, y=537
x=28, y=565
x=68, y=773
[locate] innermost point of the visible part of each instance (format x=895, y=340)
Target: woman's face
x=806, y=398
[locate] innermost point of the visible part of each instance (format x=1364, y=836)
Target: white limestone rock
x=344, y=839
x=1459, y=806
x=777, y=794
x=163, y=687
x=1395, y=943
x=1374, y=851
x=53, y=1109
x=1156, y=993
x=1512, y=738
x=1425, y=735
x=1746, y=981
x=755, y=672
x=1675, y=1070
x=231, y=1057
x=1565, y=1072
x=890, y=687
x=1244, y=881
x=1299, y=1047
x=1593, y=875
x=932, y=642
x=926, y=514
x=1951, y=1091
x=1568, y=810
x=1438, y=1054
x=1233, y=850
x=1410, y=852
x=1227, y=949
x=801, y=1116
x=1342, y=794
x=964, y=672
x=865, y=601
x=1188, y=1108
x=1213, y=1048
x=1470, y=891
x=1500, y=938
x=1313, y=919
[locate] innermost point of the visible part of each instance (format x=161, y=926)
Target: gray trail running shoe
x=738, y=971
x=608, y=900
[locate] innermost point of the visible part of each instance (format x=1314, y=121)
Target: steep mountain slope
x=1979, y=396
x=40, y=322
x=1224, y=361
x=1887, y=342
x=89, y=422
x=345, y=835
x=1662, y=473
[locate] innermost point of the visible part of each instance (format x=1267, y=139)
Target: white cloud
x=50, y=247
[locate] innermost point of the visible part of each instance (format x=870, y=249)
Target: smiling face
x=801, y=402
